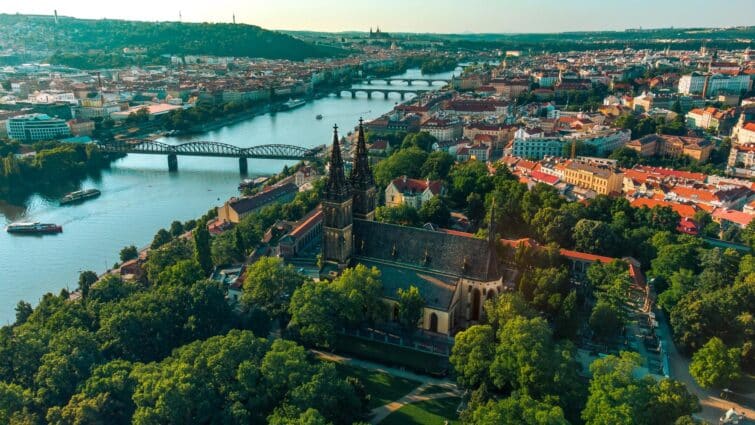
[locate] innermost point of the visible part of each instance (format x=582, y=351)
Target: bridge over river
x=213, y=149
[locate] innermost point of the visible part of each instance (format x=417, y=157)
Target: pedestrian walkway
x=398, y=372
x=416, y=396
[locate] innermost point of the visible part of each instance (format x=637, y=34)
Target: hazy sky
x=415, y=15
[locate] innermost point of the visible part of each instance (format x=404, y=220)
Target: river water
x=139, y=196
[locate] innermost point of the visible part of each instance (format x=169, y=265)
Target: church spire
x=361, y=174
x=337, y=187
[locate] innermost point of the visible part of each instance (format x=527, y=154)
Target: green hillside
x=77, y=40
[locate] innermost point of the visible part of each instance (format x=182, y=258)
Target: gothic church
x=455, y=272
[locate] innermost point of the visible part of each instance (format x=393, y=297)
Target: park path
x=415, y=396
x=379, y=413
x=394, y=371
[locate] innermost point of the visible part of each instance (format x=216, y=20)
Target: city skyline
x=443, y=16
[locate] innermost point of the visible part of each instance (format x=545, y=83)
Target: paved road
x=713, y=406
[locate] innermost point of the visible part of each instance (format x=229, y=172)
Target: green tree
x=472, y=354
x=405, y=162
x=71, y=355
x=161, y=238
x=625, y=157
x=176, y=229
x=404, y=215
x=86, y=280
x=518, y=409
x=184, y=272
x=422, y=140
x=475, y=208
x=23, y=311
x=313, y=317
x=605, y=321
x=715, y=365
x=617, y=396
x=435, y=211
x=270, y=284
x=437, y=165
x=128, y=253
x=203, y=252
x=595, y=237
x=411, y=305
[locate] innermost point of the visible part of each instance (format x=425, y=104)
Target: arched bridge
x=408, y=81
x=213, y=149
x=385, y=92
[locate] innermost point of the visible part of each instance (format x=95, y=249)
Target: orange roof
x=576, y=255
x=750, y=126
x=308, y=222
x=683, y=210
x=737, y=217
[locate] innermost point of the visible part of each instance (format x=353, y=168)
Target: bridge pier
x=402, y=95
x=409, y=82
x=429, y=83
x=172, y=163
x=388, y=82
x=243, y=166
x=353, y=94
x=369, y=95
x=338, y=93
x=385, y=95
x=369, y=82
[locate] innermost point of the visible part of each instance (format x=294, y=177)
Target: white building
x=444, y=130
x=35, y=127
x=695, y=84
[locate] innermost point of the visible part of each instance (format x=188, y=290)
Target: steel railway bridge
x=213, y=149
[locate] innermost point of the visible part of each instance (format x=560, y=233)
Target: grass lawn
x=382, y=387
x=430, y=412
x=392, y=355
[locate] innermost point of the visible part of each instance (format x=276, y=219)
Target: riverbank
x=139, y=196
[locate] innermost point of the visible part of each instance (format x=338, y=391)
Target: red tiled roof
x=738, y=217
x=404, y=184
x=545, y=178
x=683, y=210
x=308, y=222
x=583, y=256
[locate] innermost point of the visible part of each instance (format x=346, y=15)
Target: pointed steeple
x=337, y=187
x=361, y=174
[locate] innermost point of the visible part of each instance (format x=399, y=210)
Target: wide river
x=139, y=196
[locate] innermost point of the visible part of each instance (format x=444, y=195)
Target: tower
x=337, y=211
x=362, y=181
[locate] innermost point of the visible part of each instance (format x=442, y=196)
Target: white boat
x=293, y=103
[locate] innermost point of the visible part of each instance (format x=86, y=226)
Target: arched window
x=476, y=298
x=433, y=322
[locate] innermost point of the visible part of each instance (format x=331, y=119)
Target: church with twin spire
x=454, y=271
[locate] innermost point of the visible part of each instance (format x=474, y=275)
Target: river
x=139, y=196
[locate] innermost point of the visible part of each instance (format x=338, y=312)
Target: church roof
x=435, y=252
x=437, y=289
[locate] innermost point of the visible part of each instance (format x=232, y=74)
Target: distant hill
x=72, y=37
